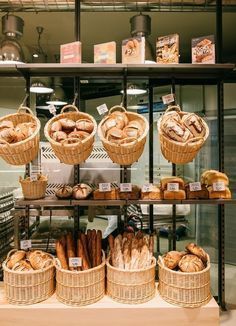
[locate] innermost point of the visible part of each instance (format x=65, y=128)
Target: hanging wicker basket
x=25, y=288
x=180, y=152
x=80, y=150
x=33, y=189
x=24, y=151
x=184, y=289
x=131, y=286
x=80, y=288
x=129, y=152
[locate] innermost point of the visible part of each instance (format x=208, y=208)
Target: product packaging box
x=133, y=50
x=105, y=53
x=203, y=49
x=70, y=52
x=167, y=49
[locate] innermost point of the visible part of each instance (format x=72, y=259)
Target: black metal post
x=219, y=33
x=124, y=174
x=151, y=165
x=77, y=19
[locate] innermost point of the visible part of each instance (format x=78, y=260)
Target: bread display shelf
x=50, y=202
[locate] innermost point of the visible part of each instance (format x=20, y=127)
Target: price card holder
x=172, y=186
x=218, y=186
x=75, y=262
x=147, y=187
x=102, y=109
x=168, y=99
x=125, y=187
x=52, y=109
x=25, y=244
x=104, y=187
x=34, y=176
x=195, y=186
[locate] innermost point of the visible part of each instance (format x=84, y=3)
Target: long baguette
x=89, y=242
x=80, y=253
x=70, y=249
x=84, y=242
x=94, y=248
x=61, y=255
x=99, y=248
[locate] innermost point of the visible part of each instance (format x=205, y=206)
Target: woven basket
x=176, y=152
x=79, y=151
x=33, y=189
x=132, y=287
x=128, y=153
x=80, y=288
x=184, y=289
x=24, y=151
x=25, y=288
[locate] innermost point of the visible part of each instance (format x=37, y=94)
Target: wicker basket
x=176, y=152
x=132, y=287
x=184, y=289
x=25, y=288
x=24, y=151
x=128, y=153
x=33, y=189
x=79, y=151
x=80, y=288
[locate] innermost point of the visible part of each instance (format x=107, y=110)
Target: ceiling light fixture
x=40, y=88
x=134, y=90
x=39, y=56
x=57, y=98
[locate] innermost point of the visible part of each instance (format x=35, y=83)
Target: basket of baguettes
x=131, y=268
x=28, y=276
x=123, y=135
x=71, y=135
x=34, y=189
x=181, y=135
x=80, y=269
x=184, y=277
x=19, y=137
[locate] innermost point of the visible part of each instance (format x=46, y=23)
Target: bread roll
x=118, y=115
x=198, y=251
x=81, y=191
x=59, y=136
x=67, y=124
x=15, y=258
x=9, y=135
x=84, y=125
x=224, y=194
x=175, y=131
x=195, y=124
x=114, y=135
x=131, y=132
x=165, y=181
x=190, y=264
x=78, y=135
x=172, y=259
x=61, y=255
x=6, y=124
x=174, y=194
x=22, y=266
x=56, y=126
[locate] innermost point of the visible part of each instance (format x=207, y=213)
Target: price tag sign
x=52, y=109
x=169, y=98
x=75, y=261
x=34, y=176
x=104, y=187
x=125, y=187
x=102, y=109
x=172, y=186
x=218, y=186
x=195, y=186
x=25, y=244
x=147, y=187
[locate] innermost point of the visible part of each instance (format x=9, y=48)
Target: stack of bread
x=154, y=193
x=14, y=134
x=194, y=259
x=173, y=188
x=106, y=195
x=130, y=251
x=118, y=129
x=134, y=194
x=68, y=131
x=88, y=247
x=217, y=184
x=25, y=261
x=80, y=191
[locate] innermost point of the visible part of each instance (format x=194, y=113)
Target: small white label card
x=172, y=186
x=125, y=187
x=52, y=109
x=25, y=244
x=102, y=109
x=195, y=186
x=218, y=186
x=75, y=261
x=33, y=176
x=169, y=98
x=104, y=187
x=147, y=187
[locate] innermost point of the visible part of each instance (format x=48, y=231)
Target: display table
x=106, y=312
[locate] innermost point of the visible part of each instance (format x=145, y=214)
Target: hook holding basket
x=75, y=98
x=24, y=100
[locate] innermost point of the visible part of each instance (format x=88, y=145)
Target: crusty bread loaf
x=190, y=264
x=154, y=194
x=199, y=194
x=174, y=194
x=172, y=259
x=165, y=181
x=195, y=124
x=197, y=250
x=175, y=130
x=224, y=194
x=212, y=176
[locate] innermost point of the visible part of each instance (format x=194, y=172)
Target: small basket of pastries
x=131, y=268
x=34, y=189
x=181, y=134
x=184, y=277
x=134, y=194
x=71, y=135
x=123, y=135
x=217, y=184
x=80, y=269
x=28, y=276
x=151, y=192
x=173, y=188
x=19, y=137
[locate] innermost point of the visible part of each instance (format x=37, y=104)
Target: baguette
x=111, y=243
x=151, y=245
x=144, y=257
x=84, y=242
x=89, y=244
x=99, y=248
x=70, y=249
x=80, y=253
x=94, y=248
x=61, y=255
x=127, y=254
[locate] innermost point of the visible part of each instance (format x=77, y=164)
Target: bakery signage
x=104, y=187
x=167, y=99
x=75, y=262
x=203, y=49
x=172, y=186
x=102, y=109
x=218, y=186
x=195, y=186
x=147, y=187
x=25, y=244
x=125, y=187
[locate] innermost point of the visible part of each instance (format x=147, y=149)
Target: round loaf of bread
x=190, y=264
x=64, y=192
x=56, y=126
x=67, y=124
x=198, y=251
x=6, y=124
x=15, y=258
x=8, y=135
x=84, y=125
x=78, y=134
x=115, y=135
x=59, y=136
x=131, y=132
x=22, y=266
x=120, y=116
x=172, y=259
x=81, y=191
